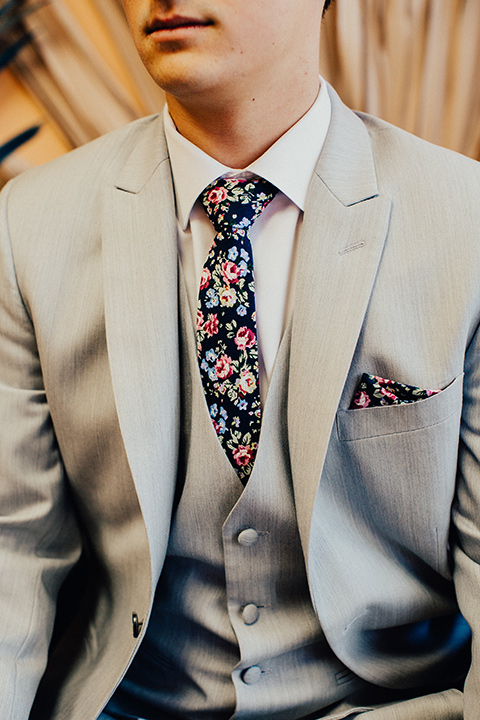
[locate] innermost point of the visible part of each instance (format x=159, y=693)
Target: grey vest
x=233, y=631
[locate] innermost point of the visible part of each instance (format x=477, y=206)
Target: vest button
x=250, y=614
x=248, y=537
x=251, y=675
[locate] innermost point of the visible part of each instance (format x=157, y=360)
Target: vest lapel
x=140, y=268
x=345, y=226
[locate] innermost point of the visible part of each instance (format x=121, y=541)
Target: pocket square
x=374, y=391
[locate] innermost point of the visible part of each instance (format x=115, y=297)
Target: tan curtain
x=66, y=72
x=411, y=62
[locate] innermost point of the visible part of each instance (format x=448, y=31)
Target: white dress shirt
x=289, y=165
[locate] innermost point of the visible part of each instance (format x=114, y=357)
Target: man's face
x=219, y=47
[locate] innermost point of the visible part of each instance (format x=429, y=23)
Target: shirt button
x=250, y=614
x=248, y=537
x=251, y=675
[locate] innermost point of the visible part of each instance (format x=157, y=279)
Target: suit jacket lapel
x=140, y=269
x=344, y=229
x=345, y=225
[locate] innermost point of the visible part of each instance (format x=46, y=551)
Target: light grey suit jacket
x=388, y=283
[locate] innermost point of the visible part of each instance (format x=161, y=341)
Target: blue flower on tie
x=211, y=355
x=204, y=365
x=212, y=373
x=212, y=298
x=223, y=413
x=241, y=310
x=213, y=410
x=233, y=253
x=245, y=255
x=242, y=404
x=243, y=267
x=221, y=426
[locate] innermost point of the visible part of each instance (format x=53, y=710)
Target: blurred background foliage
x=13, y=38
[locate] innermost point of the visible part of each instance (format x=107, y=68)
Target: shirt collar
x=288, y=164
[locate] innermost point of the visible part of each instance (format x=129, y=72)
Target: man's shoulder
x=398, y=152
x=66, y=195
x=91, y=165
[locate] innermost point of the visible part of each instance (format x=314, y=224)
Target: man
x=160, y=559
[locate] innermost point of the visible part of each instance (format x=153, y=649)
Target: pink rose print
x=243, y=455
x=217, y=195
x=205, y=279
x=230, y=272
x=199, y=319
x=228, y=297
x=211, y=325
x=361, y=400
x=246, y=382
x=245, y=338
x=223, y=367
x=386, y=393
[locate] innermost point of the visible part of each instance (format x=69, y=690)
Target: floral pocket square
x=374, y=391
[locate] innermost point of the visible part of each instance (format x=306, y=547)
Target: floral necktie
x=226, y=327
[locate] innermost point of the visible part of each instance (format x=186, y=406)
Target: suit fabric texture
x=386, y=498
x=202, y=637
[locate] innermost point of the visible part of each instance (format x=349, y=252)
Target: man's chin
x=183, y=80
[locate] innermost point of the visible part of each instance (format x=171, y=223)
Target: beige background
x=412, y=62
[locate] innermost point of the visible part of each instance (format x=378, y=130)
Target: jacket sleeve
x=39, y=538
x=466, y=518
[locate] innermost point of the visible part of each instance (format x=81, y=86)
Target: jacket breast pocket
x=395, y=466
x=373, y=422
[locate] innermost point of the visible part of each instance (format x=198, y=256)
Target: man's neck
x=236, y=133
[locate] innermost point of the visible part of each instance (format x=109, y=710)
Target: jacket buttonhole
x=136, y=625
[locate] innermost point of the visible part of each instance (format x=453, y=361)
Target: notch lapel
x=345, y=226
x=140, y=272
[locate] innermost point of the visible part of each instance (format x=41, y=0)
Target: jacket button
x=248, y=537
x=251, y=675
x=250, y=614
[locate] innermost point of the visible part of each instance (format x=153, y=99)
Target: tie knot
x=236, y=202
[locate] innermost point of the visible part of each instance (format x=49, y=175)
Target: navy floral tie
x=226, y=326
